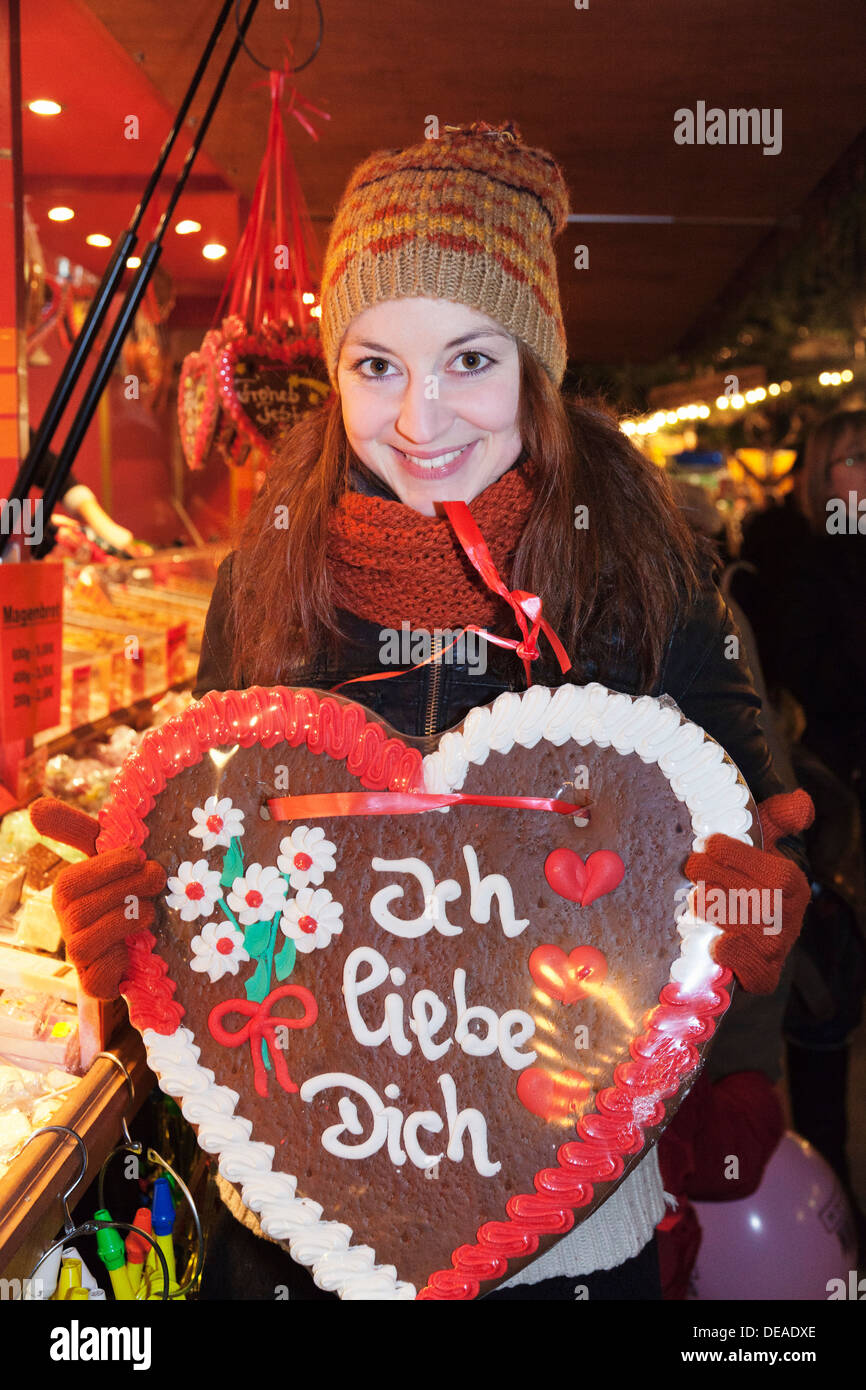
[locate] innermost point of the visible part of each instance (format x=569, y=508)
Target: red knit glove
x=100, y=900
x=755, y=941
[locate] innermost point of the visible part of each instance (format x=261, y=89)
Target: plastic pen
x=78, y=1292
x=163, y=1225
x=69, y=1278
x=137, y=1248
x=113, y=1255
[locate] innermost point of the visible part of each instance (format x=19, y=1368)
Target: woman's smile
x=440, y=465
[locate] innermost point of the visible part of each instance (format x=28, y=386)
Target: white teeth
x=438, y=462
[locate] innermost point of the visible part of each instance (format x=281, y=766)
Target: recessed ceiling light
x=308, y=297
x=60, y=214
x=213, y=251
x=188, y=225
x=133, y=262
x=97, y=239
x=43, y=107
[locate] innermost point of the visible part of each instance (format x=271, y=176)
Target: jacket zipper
x=431, y=720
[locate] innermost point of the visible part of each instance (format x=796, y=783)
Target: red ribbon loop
x=261, y=1027
x=523, y=604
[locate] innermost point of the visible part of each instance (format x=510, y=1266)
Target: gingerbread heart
x=267, y=382
x=343, y=1001
x=198, y=404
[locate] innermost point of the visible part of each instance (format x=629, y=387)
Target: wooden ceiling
x=596, y=86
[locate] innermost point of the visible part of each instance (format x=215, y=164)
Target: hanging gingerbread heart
x=198, y=406
x=418, y=1063
x=267, y=382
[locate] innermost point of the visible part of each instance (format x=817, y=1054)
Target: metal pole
x=111, y=278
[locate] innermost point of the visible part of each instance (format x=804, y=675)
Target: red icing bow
x=260, y=1026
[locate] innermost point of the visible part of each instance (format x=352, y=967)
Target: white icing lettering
x=469, y=1121
x=469, y=1041
x=481, y=894
x=435, y=896
x=421, y=1119
x=429, y=1014
x=515, y=1027
x=389, y=1127
x=353, y=988
x=331, y=1138
x=395, y=1124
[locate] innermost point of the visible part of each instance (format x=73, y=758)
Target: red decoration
x=262, y=1028
x=566, y=977
x=582, y=883
x=557, y=1095
x=524, y=605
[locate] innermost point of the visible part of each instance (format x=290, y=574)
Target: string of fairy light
x=694, y=410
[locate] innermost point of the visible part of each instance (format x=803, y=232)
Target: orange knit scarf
x=391, y=564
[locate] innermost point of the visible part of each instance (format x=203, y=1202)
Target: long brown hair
x=823, y=444
x=617, y=583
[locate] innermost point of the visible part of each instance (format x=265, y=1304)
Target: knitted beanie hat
x=470, y=217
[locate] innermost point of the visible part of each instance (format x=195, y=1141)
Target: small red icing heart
x=565, y=977
x=565, y=871
x=582, y=883
x=552, y=1095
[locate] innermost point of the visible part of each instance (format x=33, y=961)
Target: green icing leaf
x=233, y=864
x=257, y=987
x=285, y=961
x=256, y=938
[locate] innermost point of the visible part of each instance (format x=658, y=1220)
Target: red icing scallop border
x=662, y=1056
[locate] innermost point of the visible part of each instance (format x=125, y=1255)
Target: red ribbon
x=404, y=803
x=524, y=605
x=260, y=1026
x=257, y=290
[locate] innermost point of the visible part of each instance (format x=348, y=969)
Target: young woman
x=443, y=334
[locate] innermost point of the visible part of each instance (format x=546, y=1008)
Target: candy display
x=28, y=1099
x=427, y=1011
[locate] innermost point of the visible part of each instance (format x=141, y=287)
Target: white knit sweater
x=616, y=1232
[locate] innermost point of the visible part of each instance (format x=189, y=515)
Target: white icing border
x=700, y=774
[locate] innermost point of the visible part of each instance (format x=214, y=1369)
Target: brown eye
x=473, y=363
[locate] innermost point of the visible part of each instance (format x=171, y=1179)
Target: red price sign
x=31, y=647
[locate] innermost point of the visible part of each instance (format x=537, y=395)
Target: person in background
x=802, y=582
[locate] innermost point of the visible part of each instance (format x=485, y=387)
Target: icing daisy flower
x=218, y=951
x=194, y=890
x=306, y=855
x=258, y=895
x=311, y=919
x=217, y=822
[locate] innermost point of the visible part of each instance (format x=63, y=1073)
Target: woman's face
x=429, y=391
